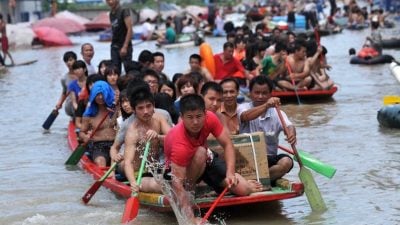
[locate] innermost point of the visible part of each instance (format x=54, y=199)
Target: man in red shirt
x=227, y=66
x=190, y=160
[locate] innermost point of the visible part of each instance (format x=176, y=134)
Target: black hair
x=93, y=78
x=191, y=102
x=150, y=72
x=195, y=56
x=106, y=62
x=279, y=46
x=169, y=84
x=228, y=45
x=164, y=101
x=211, y=85
x=146, y=56
x=140, y=94
x=261, y=80
x=122, y=96
x=155, y=54
x=176, y=77
x=123, y=81
x=80, y=64
x=112, y=69
x=352, y=51
x=227, y=80
x=69, y=54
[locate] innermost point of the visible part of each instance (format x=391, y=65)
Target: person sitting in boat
x=195, y=66
x=230, y=92
x=169, y=37
x=260, y=115
x=299, y=70
x=227, y=66
x=147, y=30
x=146, y=127
x=75, y=87
x=368, y=51
x=189, y=27
x=273, y=65
x=69, y=59
x=212, y=93
x=316, y=57
x=190, y=161
x=101, y=104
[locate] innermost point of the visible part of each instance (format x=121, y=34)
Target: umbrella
x=51, y=36
x=65, y=25
x=100, y=22
x=72, y=16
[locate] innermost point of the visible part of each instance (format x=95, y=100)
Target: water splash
x=158, y=173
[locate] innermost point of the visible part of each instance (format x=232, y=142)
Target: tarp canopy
x=100, y=22
x=50, y=36
x=67, y=26
x=72, y=16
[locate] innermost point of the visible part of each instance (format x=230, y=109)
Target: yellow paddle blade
x=391, y=100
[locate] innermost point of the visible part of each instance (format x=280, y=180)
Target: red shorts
x=4, y=44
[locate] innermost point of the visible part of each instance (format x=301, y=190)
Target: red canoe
x=315, y=95
x=160, y=202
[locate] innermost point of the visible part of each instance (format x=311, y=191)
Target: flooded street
x=36, y=188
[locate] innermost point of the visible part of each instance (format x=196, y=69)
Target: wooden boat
x=305, y=95
x=159, y=202
x=395, y=69
x=389, y=116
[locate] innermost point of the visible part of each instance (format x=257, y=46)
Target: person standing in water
x=4, y=40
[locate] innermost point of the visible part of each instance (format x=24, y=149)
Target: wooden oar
x=80, y=150
x=313, y=194
x=22, y=63
x=93, y=189
x=211, y=209
x=391, y=100
x=53, y=115
x=313, y=163
x=132, y=204
x=292, y=79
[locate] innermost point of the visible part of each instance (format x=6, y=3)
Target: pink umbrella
x=100, y=22
x=51, y=36
x=65, y=25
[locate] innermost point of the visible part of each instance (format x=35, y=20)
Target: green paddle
x=313, y=194
x=313, y=163
x=132, y=204
x=80, y=150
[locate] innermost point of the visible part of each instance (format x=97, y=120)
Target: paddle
x=293, y=83
x=132, y=204
x=208, y=214
x=391, y=100
x=80, y=150
x=53, y=115
x=313, y=194
x=22, y=63
x=313, y=163
x=96, y=185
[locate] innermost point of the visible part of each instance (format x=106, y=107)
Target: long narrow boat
x=160, y=202
x=315, y=95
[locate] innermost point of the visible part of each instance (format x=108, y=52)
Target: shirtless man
x=101, y=101
x=146, y=127
x=195, y=66
x=316, y=60
x=299, y=67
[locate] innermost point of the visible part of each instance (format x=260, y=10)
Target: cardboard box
x=245, y=163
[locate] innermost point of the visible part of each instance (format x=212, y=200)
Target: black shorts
x=215, y=173
x=100, y=148
x=273, y=160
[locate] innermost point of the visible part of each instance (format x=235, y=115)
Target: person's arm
x=304, y=73
x=84, y=133
x=73, y=100
x=229, y=156
x=255, y=112
x=128, y=36
x=165, y=127
x=207, y=74
x=129, y=156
